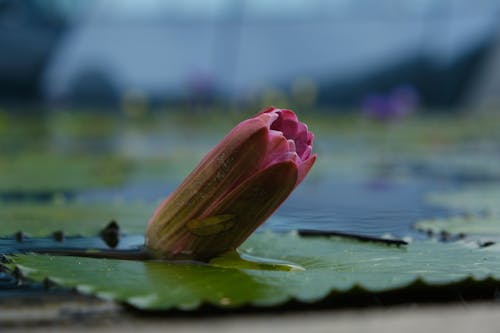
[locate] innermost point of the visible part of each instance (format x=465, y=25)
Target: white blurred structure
x=486, y=95
x=236, y=48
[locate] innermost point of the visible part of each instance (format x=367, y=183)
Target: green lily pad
x=85, y=219
x=473, y=199
x=467, y=225
x=332, y=266
x=50, y=172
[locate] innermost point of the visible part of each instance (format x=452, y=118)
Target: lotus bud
x=234, y=189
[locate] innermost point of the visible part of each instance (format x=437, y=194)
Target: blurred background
x=385, y=57
x=106, y=105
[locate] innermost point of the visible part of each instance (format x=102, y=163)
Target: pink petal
x=288, y=127
x=267, y=110
x=286, y=157
x=286, y=123
x=301, y=139
x=268, y=118
x=310, y=138
x=252, y=202
x=277, y=146
x=307, y=153
x=288, y=115
x=305, y=167
x=234, y=159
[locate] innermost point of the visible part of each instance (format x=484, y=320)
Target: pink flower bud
x=234, y=189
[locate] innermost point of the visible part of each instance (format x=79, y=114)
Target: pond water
x=369, y=179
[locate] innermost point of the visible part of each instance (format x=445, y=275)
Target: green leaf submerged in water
x=74, y=218
x=487, y=226
x=28, y=172
x=473, y=199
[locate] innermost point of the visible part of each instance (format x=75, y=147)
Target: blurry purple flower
x=200, y=85
x=399, y=103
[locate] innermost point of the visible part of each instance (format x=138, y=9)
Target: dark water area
x=12, y=246
x=35, y=196
x=372, y=208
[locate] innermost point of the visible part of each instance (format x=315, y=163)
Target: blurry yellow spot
x=273, y=96
x=3, y=121
x=58, y=198
x=211, y=225
x=304, y=91
x=225, y=301
x=134, y=103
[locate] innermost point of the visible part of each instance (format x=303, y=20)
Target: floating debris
x=365, y=238
x=19, y=236
x=49, y=284
x=111, y=234
x=486, y=244
x=58, y=236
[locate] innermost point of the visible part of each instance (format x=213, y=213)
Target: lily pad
x=51, y=172
x=467, y=225
x=332, y=266
x=472, y=199
x=85, y=219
